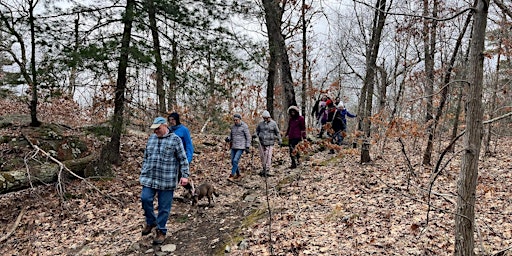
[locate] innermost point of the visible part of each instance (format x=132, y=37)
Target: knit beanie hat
x=176, y=117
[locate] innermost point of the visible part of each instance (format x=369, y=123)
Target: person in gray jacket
x=267, y=132
x=240, y=141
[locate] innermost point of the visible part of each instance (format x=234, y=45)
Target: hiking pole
x=265, y=174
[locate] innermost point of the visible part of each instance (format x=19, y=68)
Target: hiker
x=295, y=132
x=240, y=141
x=339, y=124
x=322, y=115
x=164, y=158
x=267, y=132
x=337, y=101
x=315, y=112
x=183, y=132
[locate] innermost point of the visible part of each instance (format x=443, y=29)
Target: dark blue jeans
x=165, y=198
x=236, y=154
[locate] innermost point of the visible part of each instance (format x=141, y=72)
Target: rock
x=168, y=248
x=149, y=251
x=135, y=246
x=243, y=245
x=227, y=249
x=250, y=198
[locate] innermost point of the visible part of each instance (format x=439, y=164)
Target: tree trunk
x=46, y=173
x=304, y=58
x=110, y=153
x=444, y=93
x=369, y=79
x=33, y=102
x=160, y=92
x=466, y=186
x=279, y=73
x=74, y=66
x=494, y=96
x=173, y=83
x=429, y=43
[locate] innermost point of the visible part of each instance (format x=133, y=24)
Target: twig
x=411, y=169
x=502, y=251
x=60, y=188
x=482, y=248
x=16, y=223
x=437, y=170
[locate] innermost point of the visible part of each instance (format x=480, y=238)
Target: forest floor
x=330, y=205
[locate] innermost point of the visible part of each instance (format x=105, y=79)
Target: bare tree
x=366, y=97
x=444, y=93
x=28, y=69
x=279, y=73
x=429, y=47
x=466, y=189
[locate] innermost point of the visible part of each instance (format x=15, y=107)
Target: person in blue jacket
x=339, y=124
x=182, y=132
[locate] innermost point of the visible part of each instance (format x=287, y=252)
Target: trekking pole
x=265, y=174
x=252, y=154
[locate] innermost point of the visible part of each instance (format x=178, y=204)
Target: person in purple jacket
x=296, y=132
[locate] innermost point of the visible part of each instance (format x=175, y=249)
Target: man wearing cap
x=164, y=158
x=267, y=132
x=240, y=141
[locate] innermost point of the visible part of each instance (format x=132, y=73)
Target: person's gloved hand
x=247, y=150
x=227, y=139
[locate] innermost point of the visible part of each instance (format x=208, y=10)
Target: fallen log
x=41, y=174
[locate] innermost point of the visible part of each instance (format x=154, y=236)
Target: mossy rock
x=99, y=130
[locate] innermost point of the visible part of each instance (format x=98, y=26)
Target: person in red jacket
x=296, y=132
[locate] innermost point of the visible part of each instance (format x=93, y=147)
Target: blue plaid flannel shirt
x=163, y=159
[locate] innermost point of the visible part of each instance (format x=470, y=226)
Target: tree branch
x=418, y=16
x=15, y=225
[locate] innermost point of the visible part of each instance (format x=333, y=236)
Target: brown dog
x=204, y=190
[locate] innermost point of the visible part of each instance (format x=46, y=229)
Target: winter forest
x=424, y=168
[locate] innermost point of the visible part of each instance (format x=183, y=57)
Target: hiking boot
x=159, y=238
x=293, y=166
x=237, y=176
x=231, y=177
x=147, y=229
